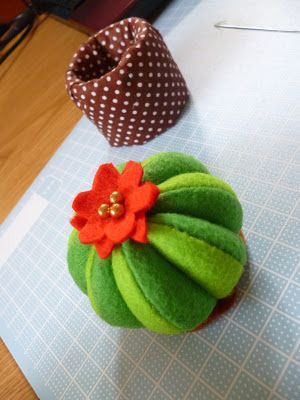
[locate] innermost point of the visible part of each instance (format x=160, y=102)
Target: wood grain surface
x=35, y=111
x=13, y=384
x=35, y=117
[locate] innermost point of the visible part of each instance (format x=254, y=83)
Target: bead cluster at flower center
x=115, y=209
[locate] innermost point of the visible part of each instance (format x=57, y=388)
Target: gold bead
x=103, y=210
x=116, y=197
x=117, y=210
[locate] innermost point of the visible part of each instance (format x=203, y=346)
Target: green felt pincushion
x=170, y=268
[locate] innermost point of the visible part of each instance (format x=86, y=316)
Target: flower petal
x=131, y=175
x=86, y=203
x=106, y=180
x=119, y=229
x=142, y=198
x=104, y=247
x=140, y=233
x=92, y=232
x=78, y=222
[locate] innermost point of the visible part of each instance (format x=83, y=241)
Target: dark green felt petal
x=77, y=258
x=163, y=166
x=135, y=299
x=216, y=235
x=105, y=296
x=214, y=205
x=175, y=296
x=194, y=179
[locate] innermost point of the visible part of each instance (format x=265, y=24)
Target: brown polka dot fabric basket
x=127, y=83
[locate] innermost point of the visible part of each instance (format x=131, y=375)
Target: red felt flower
x=124, y=201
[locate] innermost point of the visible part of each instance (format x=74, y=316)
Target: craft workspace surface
x=35, y=112
x=243, y=122
x=35, y=117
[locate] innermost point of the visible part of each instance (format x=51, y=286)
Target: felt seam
x=199, y=300
x=153, y=159
x=194, y=180
x=156, y=219
x=187, y=201
x=76, y=265
x=88, y=274
x=172, y=228
x=177, y=329
x=166, y=326
x=162, y=166
x=147, y=298
x=221, y=291
x=106, y=296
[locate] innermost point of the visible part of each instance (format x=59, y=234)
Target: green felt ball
x=194, y=256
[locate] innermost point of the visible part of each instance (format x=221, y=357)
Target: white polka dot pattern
x=126, y=71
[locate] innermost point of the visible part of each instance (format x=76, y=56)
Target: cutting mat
x=243, y=121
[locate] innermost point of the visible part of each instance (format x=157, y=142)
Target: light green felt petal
x=214, y=205
x=163, y=166
x=213, y=269
x=104, y=294
x=135, y=298
x=77, y=258
x=120, y=167
x=194, y=179
x=213, y=234
x=176, y=297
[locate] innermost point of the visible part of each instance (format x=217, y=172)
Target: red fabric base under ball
x=221, y=307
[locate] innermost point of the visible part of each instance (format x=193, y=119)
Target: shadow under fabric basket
x=127, y=83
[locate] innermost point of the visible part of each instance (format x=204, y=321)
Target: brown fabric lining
x=127, y=83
